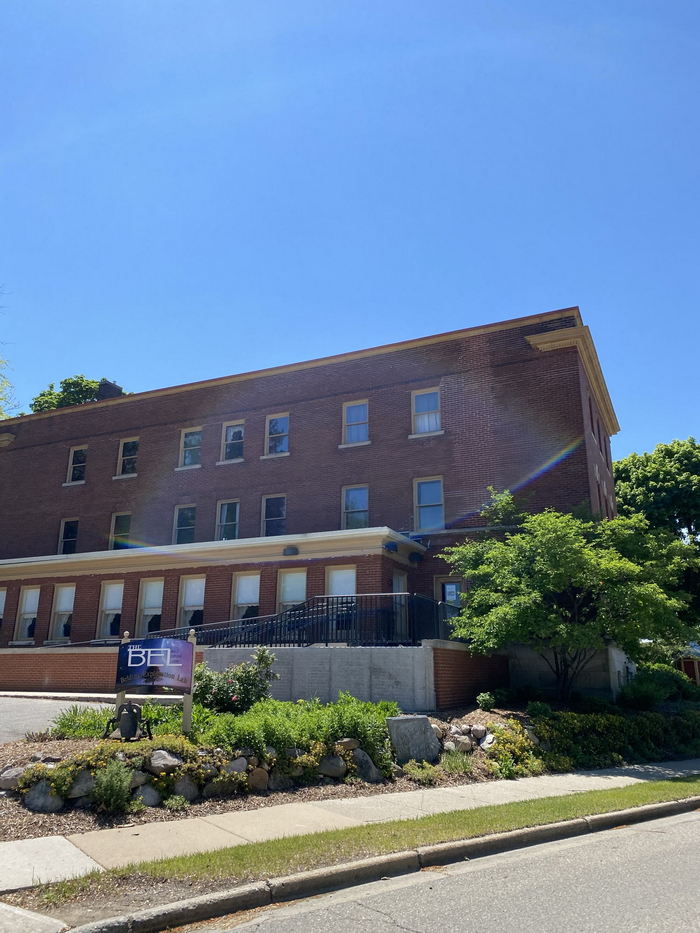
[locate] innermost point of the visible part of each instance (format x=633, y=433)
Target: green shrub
x=422, y=772
x=238, y=688
x=678, y=686
x=538, y=708
x=513, y=754
x=112, y=790
x=643, y=694
x=503, y=697
x=486, y=701
x=176, y=802
x=81, y=722
x=456, y=763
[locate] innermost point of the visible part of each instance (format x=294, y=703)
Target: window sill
x=21, y=643
x=50, y=642
x=107, y=640
x=425, y=434
x=284, y=453
x=191, y=466
x=234, y=460
x=125, y=476
x=77, y=482
x=355, y=444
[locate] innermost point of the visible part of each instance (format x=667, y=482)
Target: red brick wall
x=460, y=676
x=507, y=409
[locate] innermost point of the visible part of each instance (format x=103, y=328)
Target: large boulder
x=332, y=766
x=163, y=762
x=82, y=785
x=347, y=744
x=278, y=781
x=258, y=780
x=9, y=777
x=366, y=768
x=413, y=738
x=463, y=743
x=186, y=787
x=148, y=795
x=138, y=778
x=41, y=799
x=478, y=731
x=238, y=765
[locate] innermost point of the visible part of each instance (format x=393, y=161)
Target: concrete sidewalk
x=30, y=862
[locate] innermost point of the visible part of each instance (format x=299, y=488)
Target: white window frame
x=119, y=472
x=143, y=609
x=220, y=524
x=263, y=520
x=3, y=602
x=186, y=505
x=346, y=425
x=238, y=608
x=71, y=466
x=181, y=465
x=281, y=575
x=24, y=614
x=112, y=539
x=181, y=607
x=222, y=453
x=344, y=511
x=102, y=628
x=416, y=414
x=57, y=616
x=62, y=538
x=417, y=508
x=282, y=453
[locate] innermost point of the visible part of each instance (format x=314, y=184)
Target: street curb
x=322, y=880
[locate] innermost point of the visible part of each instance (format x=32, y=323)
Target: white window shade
x=342, y=581
x=30, y=599
x=112, y=596
x=293, y=587
x=65, y=596
x=152, y=594
x=3, y=594
x=193, y=591
x=248, y=589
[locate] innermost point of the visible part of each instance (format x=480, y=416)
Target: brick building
x=242, y=496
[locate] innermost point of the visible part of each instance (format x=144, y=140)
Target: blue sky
x=194, y=188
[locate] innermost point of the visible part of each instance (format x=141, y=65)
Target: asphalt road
x=18, y=716
x=638, y=879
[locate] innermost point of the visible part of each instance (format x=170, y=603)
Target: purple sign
x=146, y=664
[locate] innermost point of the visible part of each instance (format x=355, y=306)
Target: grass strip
x=261, y=860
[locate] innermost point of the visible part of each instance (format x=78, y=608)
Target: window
x=26, y=616
x=3, y=595
x=68, y=536
x=185, y=518
x=426, y=411
x=232, y=441
x=246, y=595
x=62, y=614
x=128, y=456
x=291, y=589
x=150, y=606
x=430, y=510
x=190, y=448
x=355, y=423
x=341, y=581
x=77, y=464
x=227, y=520
x=109, y=624
x=191, y=610
x=276, y=435
x=355, y=507
x=274, y=515
x=121, y=528
x=448, y=590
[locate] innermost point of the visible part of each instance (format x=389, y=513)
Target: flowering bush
x=236, y=689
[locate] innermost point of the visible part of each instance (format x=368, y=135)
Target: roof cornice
x=313, y=546
x=580, y=337
x=306, y=364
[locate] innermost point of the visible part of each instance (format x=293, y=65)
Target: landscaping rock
x=41, y=799
x=209, y=770
x=463, y=743
x=148, y=794
x=237, y=765
x=332, y=766
x=9, y=777
x=455, y=729
x=450, y=746
x=277, y=780
x=138, y=778
x=82, y=785
x=348, y=744
x=253, y=761
x=258, y=779
x=531, y=736
x=83, y=803
x=487, y=741
x=413, y=738
x=186, y=787
x=212, y=789
x=293, y=752
x=478, y=731
x=296, y=771
x=163, y=762
x=366, y=768
x=244, y=752
x=438, y=730
x=270, y=751
x=397, y=771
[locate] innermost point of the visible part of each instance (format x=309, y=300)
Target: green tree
x=663, y=485
x=75, y=390
x=567, y=588
x=6, y=400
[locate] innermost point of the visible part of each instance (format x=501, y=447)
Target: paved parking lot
x=19, y=715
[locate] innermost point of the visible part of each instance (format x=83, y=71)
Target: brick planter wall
x=460, y=676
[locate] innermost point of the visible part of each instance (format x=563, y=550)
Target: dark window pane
x=186, y=516
x=192, y=456
x=185, y=536
x=192, y=439
x=278, y=444
x=130, y=448
x=80, y=456
x=274, y=526
x=275, y=507
x=357, y=520
x=233, y=450
x=122, y=524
